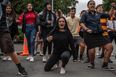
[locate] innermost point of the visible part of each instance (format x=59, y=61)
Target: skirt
x=95, y=40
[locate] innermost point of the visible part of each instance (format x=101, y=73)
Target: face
x=29, y=7
x=49, y=7
x=61, y=23
x=8, y=9
x=91, y=6
x=72, y=13
x=99, y=9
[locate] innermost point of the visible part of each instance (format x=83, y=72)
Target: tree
x=107, y=4
x=19, y=5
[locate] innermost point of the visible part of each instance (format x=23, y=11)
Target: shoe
x=22, y=72
x=31, y=59
x=44, y=59
x=62, y=71
x=91, y=66
x=108, y=68
x=74, y=60
x=100, y=57
x=28, y=58
x=5, y=58
x=9, y=58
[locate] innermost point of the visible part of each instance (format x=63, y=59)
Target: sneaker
x=9, y=58
x=22, y=72
x=31, y=59
x=91, y=66
x=62, y=71
x=28, y=58
x=74, y=60
x=5, y=58
x=40, y=53
x=108, y=68
x=44, y=59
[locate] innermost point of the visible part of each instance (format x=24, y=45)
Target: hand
x=89, y=30
x=50, y=38
x=49, y=22
x=17, y=21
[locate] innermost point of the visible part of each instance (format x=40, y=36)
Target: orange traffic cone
x=25, y=48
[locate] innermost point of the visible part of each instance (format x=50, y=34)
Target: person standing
x=93, y=37
x=73, y=24
x=6, y=43
x=47, y=23
x=29, y=27
x=11, y=23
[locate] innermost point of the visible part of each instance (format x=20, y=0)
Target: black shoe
x=100, y=57
x=22, y=72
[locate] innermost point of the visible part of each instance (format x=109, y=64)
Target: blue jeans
x=30, y=35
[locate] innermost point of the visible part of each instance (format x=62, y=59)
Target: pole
x=52, y=5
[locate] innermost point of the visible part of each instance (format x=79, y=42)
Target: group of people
x=58, y=35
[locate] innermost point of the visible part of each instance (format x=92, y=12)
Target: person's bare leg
x=82, y=49
x=15, y=59
x=107, y=54
x=92, y=57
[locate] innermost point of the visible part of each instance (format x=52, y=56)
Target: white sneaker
x=9, y=58
x=62, y=71
x=5, y=58
x=44, y=59
x=28, y=58
x=31, y=59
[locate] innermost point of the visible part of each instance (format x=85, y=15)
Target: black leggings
x=49, y=45
x=65, y=56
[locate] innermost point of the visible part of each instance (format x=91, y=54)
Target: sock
x=81, y=56
x=19, y=66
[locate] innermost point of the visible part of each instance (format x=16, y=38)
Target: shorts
x=6, y=43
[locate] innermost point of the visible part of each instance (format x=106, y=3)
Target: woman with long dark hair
x=11, y=23
x=29, y=26
x=47, y=24
x=63, y=41
x=6, y=43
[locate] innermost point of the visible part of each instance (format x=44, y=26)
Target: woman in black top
x=11, y=21
x=6, y=44
x=93, y=37
x=63, y=41
x=47, y=23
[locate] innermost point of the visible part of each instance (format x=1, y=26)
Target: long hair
x=27, y=9
x=57, y=26
x=45, y=10
x=12, y=14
